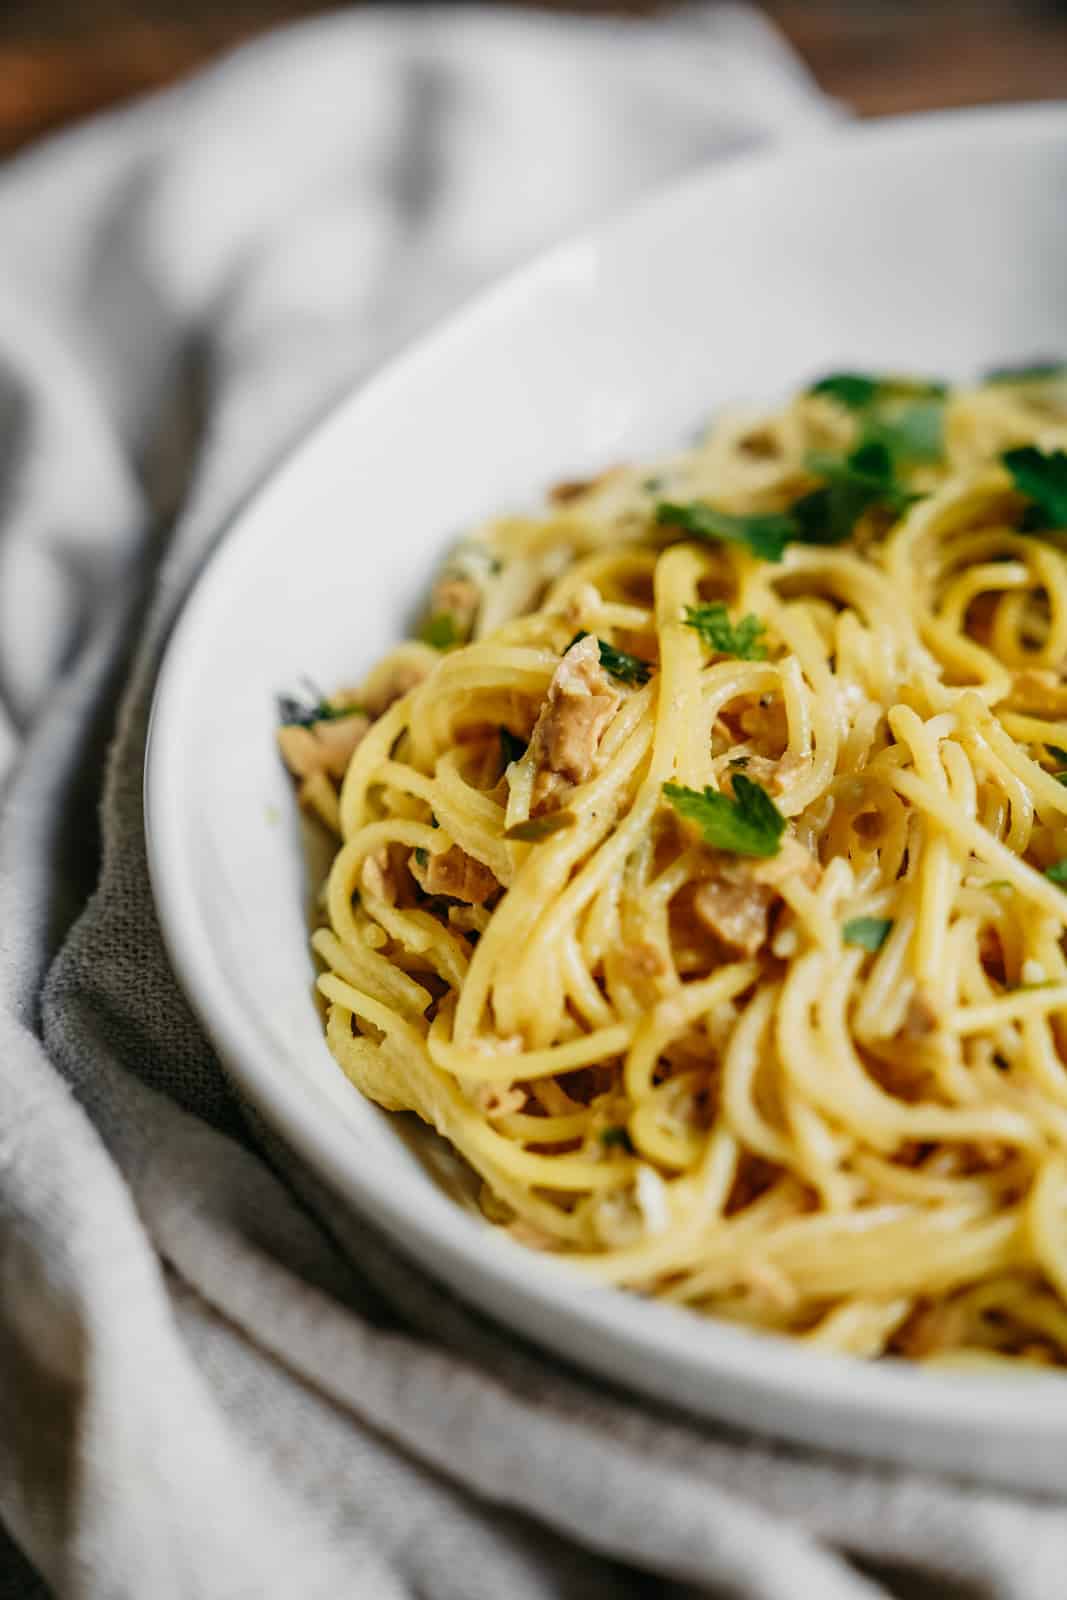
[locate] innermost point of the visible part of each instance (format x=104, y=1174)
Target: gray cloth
x=213, y=1382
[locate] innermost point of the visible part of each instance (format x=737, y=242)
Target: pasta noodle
x=700, y=870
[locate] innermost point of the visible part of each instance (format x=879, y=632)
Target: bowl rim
x=706, y=1348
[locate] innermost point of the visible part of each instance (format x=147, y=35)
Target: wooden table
x=60, y=59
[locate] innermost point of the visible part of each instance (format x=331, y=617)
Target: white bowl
x=936, y=244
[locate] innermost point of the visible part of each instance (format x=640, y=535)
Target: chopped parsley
x=869, y=933
x=913, y=434
x=1042, y=477
x=1058, y=872
x=748, y=825
x=854, y=390
x=293, y=712
x=851, y=485
x=740, y=639
x=858, y=391
x=537, y=828
x=512, y=748
x=440, y=631
x=619, y=663
x=906, y=415
x=766, y=535
x=422, y=856
x=617, y=1137
x=1028, y=372
x=1058, y=751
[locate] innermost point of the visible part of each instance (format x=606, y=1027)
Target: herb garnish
x=617, y=1137
x=1028, y=372
x=766, y=535
x=748, y=825
x=852, y=484
x=870, y=933
x=620, y=663
x=440, y=631
x=1042, y=477
x=422, y=856
x=906, y=415
x=1058, y=872
x=537, y=828
x=858, y=390
x=293, y=712
x=740, y=639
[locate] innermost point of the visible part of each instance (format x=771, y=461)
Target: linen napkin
x=215, y=1383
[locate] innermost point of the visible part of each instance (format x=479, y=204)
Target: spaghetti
x=701, y=871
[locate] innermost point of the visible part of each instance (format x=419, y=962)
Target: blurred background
x=62, y=59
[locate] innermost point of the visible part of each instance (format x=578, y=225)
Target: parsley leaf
x=293, y=712
x=906, y=415
x=870, y=933
x=440, y=631
x=617, y=1136
x=1057, y=872
x=912, y=434
x=512, y=748
x=859, y=390
x=1042, y=477
x=748, y=825
x=766, y=535
x=422, y=856
x=620, y=663
x=853, y=484
x=1058, y=751
x=1028, y=372
x=713, y=624
x=854, y=390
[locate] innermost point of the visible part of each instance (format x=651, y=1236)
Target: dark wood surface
x=60, y=59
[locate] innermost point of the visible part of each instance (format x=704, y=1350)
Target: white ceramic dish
x=936, y=244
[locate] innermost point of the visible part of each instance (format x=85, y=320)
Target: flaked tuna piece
x=322, y=746
x=579, y=705
x=735, y=902
x=456, y=874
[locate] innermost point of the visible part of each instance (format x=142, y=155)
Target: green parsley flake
x=619, y=663
x=617, y=1137
x=1028, y=372
x=1057, y=872
x=422, y=856
x=853, y=390
x=1042, y=477
x=869, y=933
x=293, y=712
x=713, y=624
x=766, y=536
x=851, y=485
x=440, y=631
x=906, y=415
x=748, y=825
